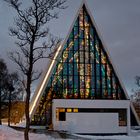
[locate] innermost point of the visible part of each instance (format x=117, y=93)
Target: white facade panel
x=93, y=122
x=89, y=103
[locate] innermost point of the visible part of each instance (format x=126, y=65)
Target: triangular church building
x=80, y=91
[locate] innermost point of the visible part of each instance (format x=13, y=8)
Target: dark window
x=62, y=116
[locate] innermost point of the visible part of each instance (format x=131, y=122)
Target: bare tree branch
x=30, y=28
x=137, y=81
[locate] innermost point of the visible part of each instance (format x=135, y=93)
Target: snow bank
x=7, y=133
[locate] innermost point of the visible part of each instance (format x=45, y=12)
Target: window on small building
x=69, y=110
x=62, y=116
x=75, y=110
x=61, y=109
x=122, y=117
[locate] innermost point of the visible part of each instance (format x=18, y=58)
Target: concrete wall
x=82, y=122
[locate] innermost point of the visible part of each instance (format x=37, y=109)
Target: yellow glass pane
x=75, y=110
x=61, y=109
x=69, y=110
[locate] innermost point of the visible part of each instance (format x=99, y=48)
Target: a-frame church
x=80, y=91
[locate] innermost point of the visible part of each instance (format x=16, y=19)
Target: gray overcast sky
x=118, y=22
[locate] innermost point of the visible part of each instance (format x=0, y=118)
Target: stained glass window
x=84, y=69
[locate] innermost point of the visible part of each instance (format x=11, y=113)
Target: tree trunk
x=26, y=136
x=9, y=109
x=28, y=92
x=0, y=107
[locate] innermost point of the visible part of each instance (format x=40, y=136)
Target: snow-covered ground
x=7, y=133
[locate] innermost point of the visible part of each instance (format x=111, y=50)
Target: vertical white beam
x=128, y=120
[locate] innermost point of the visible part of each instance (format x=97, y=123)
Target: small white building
x=81, y=91
x=91, y=116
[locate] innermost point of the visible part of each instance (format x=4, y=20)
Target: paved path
x=64, y=135
x=54, y=134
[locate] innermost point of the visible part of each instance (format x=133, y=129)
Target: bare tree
x=136, y=95
x=13, y=89
x=10, y=88
x=3, y=75
x=30, y=29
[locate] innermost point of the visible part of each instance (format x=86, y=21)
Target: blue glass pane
x=98, y=69
x=93, y=92
x=76, y=43
x=65, y=71
x=75, y=69
x=103, y=70
x=103, y=82
x=71, y=35
x=81, y=32
x=76, y=82
x=98, y=82
x=92, y=33
x=75, y=32
x=70, y=82
x=109, y=82
x=70, y=69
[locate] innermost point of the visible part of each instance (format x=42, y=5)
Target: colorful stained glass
x=85, y=70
